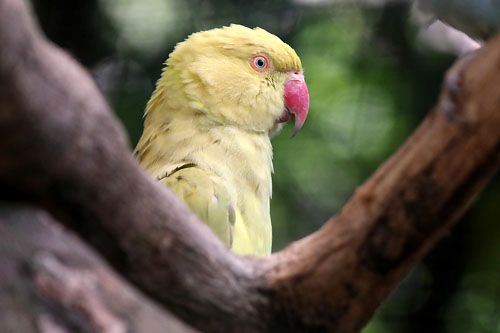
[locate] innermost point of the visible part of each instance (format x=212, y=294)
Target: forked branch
x=62, y=148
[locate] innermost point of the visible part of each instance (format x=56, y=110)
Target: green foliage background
x=370, y=84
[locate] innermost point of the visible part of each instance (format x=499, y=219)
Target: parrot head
x=237, y=76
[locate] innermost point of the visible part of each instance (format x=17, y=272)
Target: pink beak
x=297, y=98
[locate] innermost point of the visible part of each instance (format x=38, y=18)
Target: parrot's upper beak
x=296, y=100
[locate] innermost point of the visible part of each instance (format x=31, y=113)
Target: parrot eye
x=260, y=62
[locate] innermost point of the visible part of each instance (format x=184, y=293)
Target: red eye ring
x=260, y=62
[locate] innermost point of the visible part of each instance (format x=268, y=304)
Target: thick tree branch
x=411, y=201
x=62, y=148
x=51, y=282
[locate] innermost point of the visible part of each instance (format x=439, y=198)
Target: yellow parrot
x=207, y=128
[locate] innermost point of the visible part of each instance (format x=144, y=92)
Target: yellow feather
x=207, y=126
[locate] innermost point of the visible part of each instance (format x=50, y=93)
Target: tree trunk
x=63, y=150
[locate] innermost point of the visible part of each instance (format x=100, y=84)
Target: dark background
x=370, y=84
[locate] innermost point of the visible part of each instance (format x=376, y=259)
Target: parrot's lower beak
x=296, y=100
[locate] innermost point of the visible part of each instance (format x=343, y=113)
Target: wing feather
x=207, y=196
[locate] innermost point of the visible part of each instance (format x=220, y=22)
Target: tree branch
x=54, y=283
x=62, y=148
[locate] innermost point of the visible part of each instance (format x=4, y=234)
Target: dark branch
x=57, y=284
x=62, y=148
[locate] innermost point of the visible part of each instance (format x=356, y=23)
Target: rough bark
x=62, y=149
x=51, y=282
